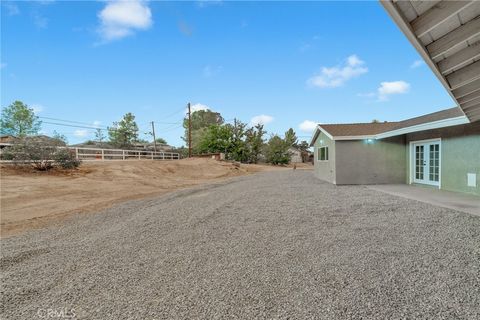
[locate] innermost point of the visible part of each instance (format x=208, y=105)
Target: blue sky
x=287, y=64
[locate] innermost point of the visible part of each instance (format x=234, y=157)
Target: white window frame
x=319, y=153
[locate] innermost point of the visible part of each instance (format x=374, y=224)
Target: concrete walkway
x=453, y=200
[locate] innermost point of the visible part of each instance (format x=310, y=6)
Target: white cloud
x=416, y=64
x=308, y=126
x=198, y=107
x=337, y=76
x=386, y=89
x=97, y=123
x=121, y=18
x=37, y=108
x=80, y=133
x=393, y=87
x=261, y=119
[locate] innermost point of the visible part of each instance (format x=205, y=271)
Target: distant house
x=150, y=147
x=440, y=149
x=7, y=138
x=298, y=155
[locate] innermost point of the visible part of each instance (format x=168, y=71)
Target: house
x=440, y=149
x=296, y=155
x=7, y=139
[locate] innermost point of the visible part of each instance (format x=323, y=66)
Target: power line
x=174, y=113
x=160, y=122
x=75, y=126
x=71, y=121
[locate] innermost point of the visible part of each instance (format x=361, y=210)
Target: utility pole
x=154, y=140
x=189, y=131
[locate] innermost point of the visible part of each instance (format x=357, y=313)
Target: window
x=322, y=154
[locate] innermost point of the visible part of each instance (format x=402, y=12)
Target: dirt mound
x=31, y=199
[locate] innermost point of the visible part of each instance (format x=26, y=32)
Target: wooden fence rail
x=92, y=154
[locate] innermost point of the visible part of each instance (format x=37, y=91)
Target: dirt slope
x=32, y=199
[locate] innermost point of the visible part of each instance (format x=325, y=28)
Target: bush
x=66, y=159
x=276, y=151
x=41, y=155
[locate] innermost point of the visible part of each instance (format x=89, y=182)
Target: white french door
x=426, y=162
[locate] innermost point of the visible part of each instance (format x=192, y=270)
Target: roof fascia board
x=314, y=137
x=425, y=126
x=354, y=137
x=317, y=133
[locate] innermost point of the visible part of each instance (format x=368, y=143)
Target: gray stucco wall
x=460, y=154
x=325, y=170
x=377, y=162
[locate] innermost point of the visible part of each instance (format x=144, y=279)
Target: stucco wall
x=460, y=154
x=374, y=162
x=325, y=170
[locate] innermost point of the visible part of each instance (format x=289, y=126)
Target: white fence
x=120, y=154
x=93, y=154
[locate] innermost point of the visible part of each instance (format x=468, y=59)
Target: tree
x=239, y=150
x=216, y=138
x=304, y=145
x=201, y=120
x=161, y=141
x=19, y=120
x=254, y=142
x=99, y=135
x=124, y=132
x=291, y=138
x=276, y=151
x=60, y=137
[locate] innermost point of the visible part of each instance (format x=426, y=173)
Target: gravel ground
x=272, y=245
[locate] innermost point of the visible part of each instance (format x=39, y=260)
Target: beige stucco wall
x=374, y=162
x=460, y=154
x=325, y=170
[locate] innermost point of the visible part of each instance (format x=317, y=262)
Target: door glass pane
x=434, y=162
x=419, y=162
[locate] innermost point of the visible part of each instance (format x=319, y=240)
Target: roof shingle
x=367, y=129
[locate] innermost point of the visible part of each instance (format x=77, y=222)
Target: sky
x=284, y=64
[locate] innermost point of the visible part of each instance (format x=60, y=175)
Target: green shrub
x=66, y=159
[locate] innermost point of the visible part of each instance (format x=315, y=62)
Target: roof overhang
x=319, y=130
x=425, y=126
x=447, y=36
x=392, y=133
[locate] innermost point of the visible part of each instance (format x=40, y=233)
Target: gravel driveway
x=272, y=245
